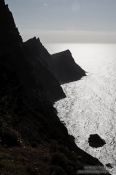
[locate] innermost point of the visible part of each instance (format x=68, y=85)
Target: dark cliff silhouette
x=23, y=62
x=61, y=65
x=35, y=52
x=9, y=34
x=33, y=141
x=65, y=68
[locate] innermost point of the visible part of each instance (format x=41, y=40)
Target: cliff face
x=35, y=48
x=9, y=35
x=61, y=65
x=36, y=54
x=19, y=57
x=11, y=56
x=31, y=135
x=65, y=68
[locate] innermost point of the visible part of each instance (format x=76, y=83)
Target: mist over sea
x=90, y=106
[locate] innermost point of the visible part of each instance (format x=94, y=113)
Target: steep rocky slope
x=36, y=53
x=65, y=68
x=61, y=65
x=33, y=141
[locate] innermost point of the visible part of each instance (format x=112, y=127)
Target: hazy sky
x=66, y=20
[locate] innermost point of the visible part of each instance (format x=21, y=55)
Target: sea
x=90, y=105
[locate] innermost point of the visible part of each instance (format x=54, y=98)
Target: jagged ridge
x=31, y=135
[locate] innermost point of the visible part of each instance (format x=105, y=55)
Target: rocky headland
x=64, y=67
x=33, y=141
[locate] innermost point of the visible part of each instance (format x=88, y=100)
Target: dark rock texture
x=9, y=35
x=109, y=165
x=33, y=141
x=65, y=68
x=23, y=59
x=61, y=65
x=35, y=48
x=36, y=53
x=96, y=141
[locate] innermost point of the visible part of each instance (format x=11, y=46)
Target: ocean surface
x=90, y=106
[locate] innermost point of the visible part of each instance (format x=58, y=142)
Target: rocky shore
x=33, y=140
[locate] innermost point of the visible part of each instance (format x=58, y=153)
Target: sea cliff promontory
x=33, y=140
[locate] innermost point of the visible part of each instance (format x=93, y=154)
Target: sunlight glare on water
x=90, y=106
x=90, y=56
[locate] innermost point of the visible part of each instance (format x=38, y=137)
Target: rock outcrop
x=96, y=141
x=61, y=65
x=65, y=68
x=36, y=54
x=18, y=57
x=32, y=138
x=9, y=34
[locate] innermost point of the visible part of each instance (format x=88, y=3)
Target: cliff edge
x=65, y=68
x=33, y=141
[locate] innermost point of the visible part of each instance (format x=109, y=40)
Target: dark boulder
x=96, y=141
x=109, y=165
